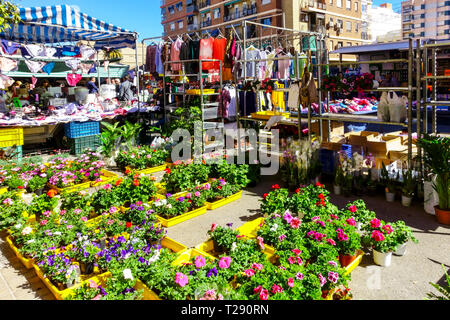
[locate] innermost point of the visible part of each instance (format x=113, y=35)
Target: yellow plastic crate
x=28, y=263
x=251, y=228
x=355, y=262
x=106, y=177
x=3, y=190
x=198, y=92
x=10, y=137
x=184, y=217
x=266, y=115
x=221, y=203
x=151, y=170
x=187, y=255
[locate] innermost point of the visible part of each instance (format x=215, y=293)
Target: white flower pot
x=406, y=201
x=401, y=250
x=337, y=190
x=431, y=198
x=390, y=197
x=382, y=259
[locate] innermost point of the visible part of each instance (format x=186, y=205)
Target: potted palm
x=408, y=188
x=437, y=162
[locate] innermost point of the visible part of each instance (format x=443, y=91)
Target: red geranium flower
x=129, y=225
x=298, y=190
x=118, y=182
x=127, y=170
x=318, y=184
x=275, y=186
x=20, y=187
x=136, y=183
x=167, y=170
x=265, y=195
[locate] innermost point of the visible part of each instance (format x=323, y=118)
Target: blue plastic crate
x=327, y=159
x=18, y=152
x=80, y=145
x=81, y=129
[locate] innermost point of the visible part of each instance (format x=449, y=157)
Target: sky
x=143, y=16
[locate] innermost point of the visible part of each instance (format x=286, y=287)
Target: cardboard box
x=382, y=148
x=337, y=129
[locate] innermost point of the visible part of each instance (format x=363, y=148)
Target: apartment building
x=344, y=22
x=383, y=21
x=426, y=19
x=341, y=20
x=181, y=16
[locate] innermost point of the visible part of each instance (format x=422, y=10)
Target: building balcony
x=192, y=27
x=192, y=8
x=317, y=5
x=204, y=4
x=240, y=14
x=205, y=24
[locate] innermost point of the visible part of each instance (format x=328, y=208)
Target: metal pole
x=309, y=100
x=425, y=89
x=138, y=90
x=418, y=98
x=319, y=82
x=434, y=94
x=410, y=100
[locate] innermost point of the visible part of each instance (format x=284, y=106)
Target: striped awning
x=62, y=23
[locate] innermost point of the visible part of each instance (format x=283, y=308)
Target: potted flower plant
x=403, y=234
x=37, y=184
x=223, y=238
x=381, y=237
x=389, y=183
x=338, y=180
x=436, y=160
x=43, y=203
x=408, y=188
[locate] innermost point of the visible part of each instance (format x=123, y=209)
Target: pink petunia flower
x=200, y=261
x=181, y=279
x=249, y=272
x=299, y=276
x=224, y=262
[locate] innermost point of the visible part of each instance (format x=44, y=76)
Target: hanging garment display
x=48, y=52
x=7, y=65
x=219, y=47
x=106, y=66
x=175, y=54
x=250, y=102
x=283, y=66
x=194, y=51
x=5, y=82
x=278, y=100
x=229, y=102
x=87, y=53
x=73, y=79
x=86, y=67
x=33, y=82
x=158, y=58
x=206, y=52
x=269, y=65
x=9, y=47
x=293, y=96
x=34, y=50
x=48, y=68
x=150, y=64
x=73, y=64
x=71, y=51
x=34, y=66
x=262, y=65
x=252, y=53
x=308, y=90
x=228, y=60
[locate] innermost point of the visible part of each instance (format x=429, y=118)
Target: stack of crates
x=83, y=136
x=10, y=137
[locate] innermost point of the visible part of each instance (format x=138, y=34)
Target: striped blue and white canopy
x=53, y=24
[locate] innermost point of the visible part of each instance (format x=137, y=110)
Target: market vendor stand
x=65, y=24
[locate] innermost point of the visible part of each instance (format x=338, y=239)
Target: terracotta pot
x=346, y=260
x=443, y=216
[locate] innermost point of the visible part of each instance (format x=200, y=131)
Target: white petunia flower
x=127, y=274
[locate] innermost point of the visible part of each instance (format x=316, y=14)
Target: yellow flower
x=25, y=214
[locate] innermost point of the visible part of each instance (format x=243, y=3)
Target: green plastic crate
x=80, y=145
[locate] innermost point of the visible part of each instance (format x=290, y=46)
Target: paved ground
x=406, y=279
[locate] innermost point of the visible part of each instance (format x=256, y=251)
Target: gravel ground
x=406, y=279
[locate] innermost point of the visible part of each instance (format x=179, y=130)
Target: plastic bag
x=383, y=108
x=397, y=107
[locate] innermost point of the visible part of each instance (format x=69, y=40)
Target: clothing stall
x=57, y=39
